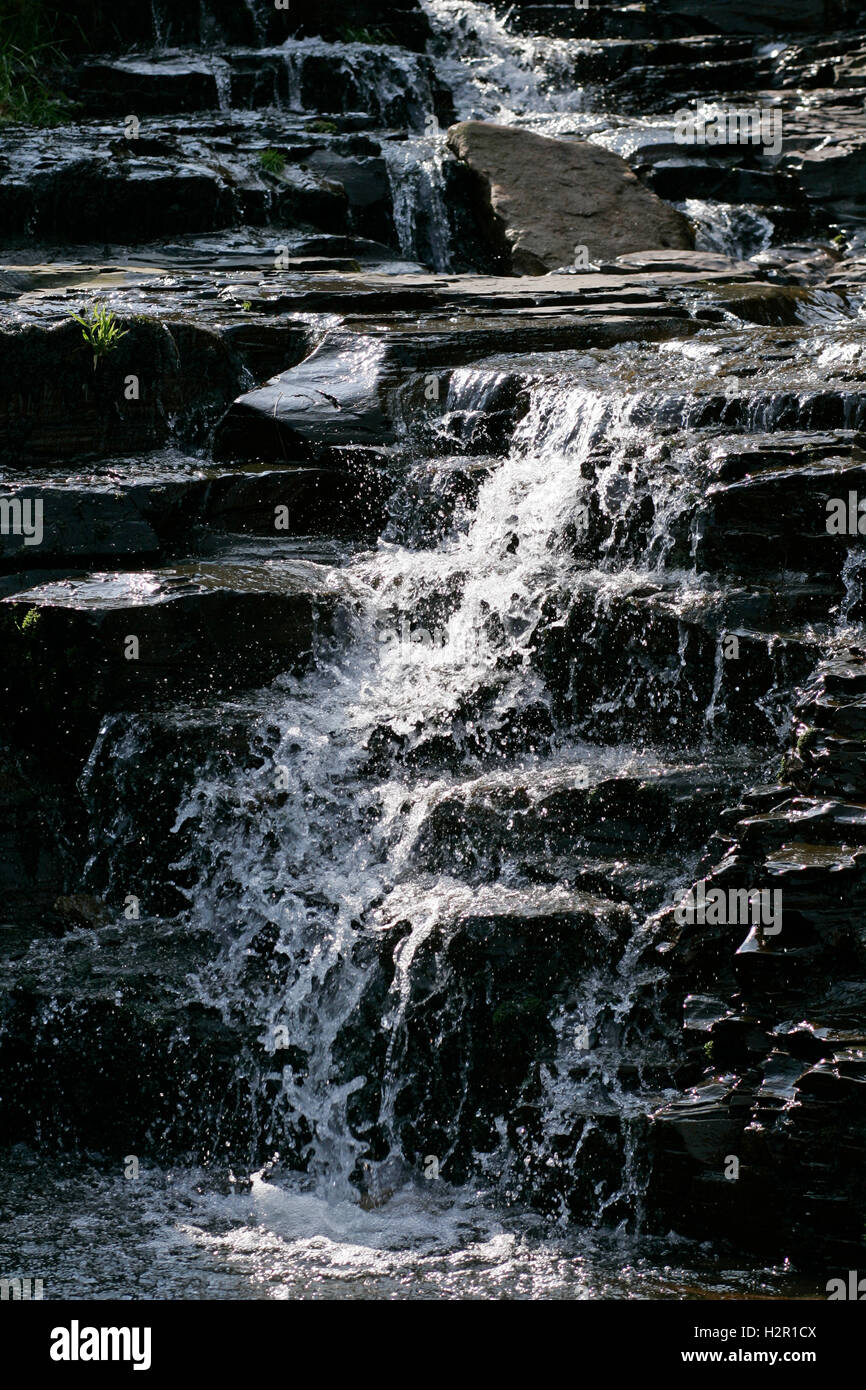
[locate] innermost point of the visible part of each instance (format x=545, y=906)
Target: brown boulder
x=548, y=197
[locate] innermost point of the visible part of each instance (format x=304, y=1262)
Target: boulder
x=544, y=197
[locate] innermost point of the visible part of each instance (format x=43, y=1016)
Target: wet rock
x=55, y=404
x=97, y=25
x=600, y=206
x=146, y=86
x=140, y=771
x=828, y=752
x=138, y=510
x=107, y=1048
x=596, y=21
x=334, y=398
x=177, y=181
x=665, y=661
x=735, y=533
x=726, y=184
x=578, y=813
x=471, y=1014
x=769, y=16
x=36, y=850
x=82, y=647
x=783, y=1042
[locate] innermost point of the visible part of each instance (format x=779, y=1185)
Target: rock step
x=664, y=670
x=821, y=138
x=394, y=88
x=239, y=297
x=782, y=1028
x=719, y=181
x=122, y=987
x=657, y=88
x=560, y=826
x=828, y=753
x=199, y=628
x=506, y=962
x=619, y=833
x=360, y=389
x=597, y=21
x=659, y=19
x=95, y=25
x=141, y=509
x=790, y=1175
x=135, y=199
x=665, y=677
x=805, y=499
x=749, y=506
x=130, y=1053
x=164, y=377
x=170, y=376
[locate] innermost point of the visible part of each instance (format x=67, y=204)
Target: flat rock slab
x=140, y=507
x=345, y=395
x=547, y=197
x=198, y=629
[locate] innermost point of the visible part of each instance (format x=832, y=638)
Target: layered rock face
x=402, y=616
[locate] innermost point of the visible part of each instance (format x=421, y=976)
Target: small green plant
x=247, y=305
x=29, y=621
x=323, y=127
x=708, y=1050
x=100, y=330
x=30, y=54
x=272, y=161
x=806, y=742
x=26, y=626
x=348, y=34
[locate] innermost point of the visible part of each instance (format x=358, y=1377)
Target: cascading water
x=495, y=74
x=416, y=177
x=325, y=851
x=318, y=859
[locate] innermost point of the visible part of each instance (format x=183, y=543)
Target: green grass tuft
x=30, y=55
x=100, y=331
x=272, y=161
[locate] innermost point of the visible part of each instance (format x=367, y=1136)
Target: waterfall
x=415, y=173
x=497, y=75
x=386, y=944
x=321, y=860
x=317, y=861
